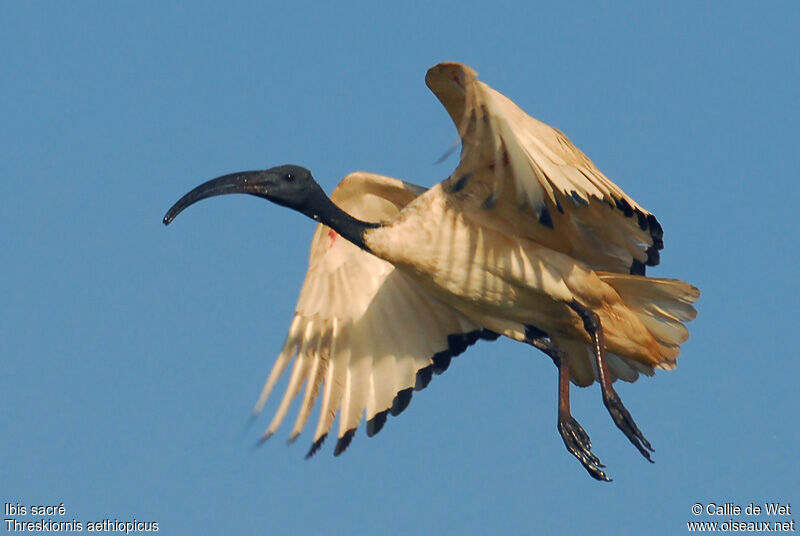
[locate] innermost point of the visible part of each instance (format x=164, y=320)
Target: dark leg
x=572, y=433
x=623, y=419
x=575, y=438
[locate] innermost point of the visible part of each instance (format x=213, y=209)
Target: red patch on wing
x=506, y=161
x=332, y=236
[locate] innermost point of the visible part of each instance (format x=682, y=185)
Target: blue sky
x=133, y=353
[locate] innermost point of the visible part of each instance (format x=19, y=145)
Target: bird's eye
x=288, y=177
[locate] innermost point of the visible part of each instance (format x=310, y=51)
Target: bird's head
x=288, y=185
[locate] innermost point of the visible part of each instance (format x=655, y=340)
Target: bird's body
x=526, y=239
x=504, y=282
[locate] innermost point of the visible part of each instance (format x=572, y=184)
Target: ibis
x=526, y=239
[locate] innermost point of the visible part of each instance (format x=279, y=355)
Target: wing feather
x=335, y=379
x=288, y=351
x=358, y=375
x=524, y=176
x=364, y=335
x=299, y=372
x=316, y=373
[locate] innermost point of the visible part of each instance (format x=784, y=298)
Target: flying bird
x=526, y=239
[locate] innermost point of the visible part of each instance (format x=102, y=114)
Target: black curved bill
x=243, y=182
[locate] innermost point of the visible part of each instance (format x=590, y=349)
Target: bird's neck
x=323, y=210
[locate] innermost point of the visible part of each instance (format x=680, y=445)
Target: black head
x=288, y=185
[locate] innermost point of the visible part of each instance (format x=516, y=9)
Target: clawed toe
x=578, y=443
x=624, y=421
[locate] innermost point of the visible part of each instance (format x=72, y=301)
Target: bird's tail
x=662, y=305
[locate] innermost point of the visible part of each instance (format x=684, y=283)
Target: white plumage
x=374, y=328
x=526, y=239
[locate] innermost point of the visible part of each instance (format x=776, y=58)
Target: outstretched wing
x=522, y=175
x=364, y=335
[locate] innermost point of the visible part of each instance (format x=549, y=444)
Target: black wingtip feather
x=472, y=337
x=424, y=376
x=624, y=206
x=577, y=199
x=653, y=256
x=461, y=182
x=344, y=442
x=656, y=231
x=457, y=343
x=637, y=268
x=401, y=401
x=490, y=201
x=489, y=335
x=315, y=446
x=545, y=219
x=532, y=332
x=375, y=424
x=441, y=361
x=642, y=219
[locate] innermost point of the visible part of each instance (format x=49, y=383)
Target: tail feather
x=625, y=369
x=583, y=368
x=662, y=306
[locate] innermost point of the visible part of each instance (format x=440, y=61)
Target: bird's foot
x=625, y=422
x=578, y=443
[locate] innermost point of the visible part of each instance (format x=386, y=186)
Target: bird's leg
x=623, y=419
x=572, y=433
